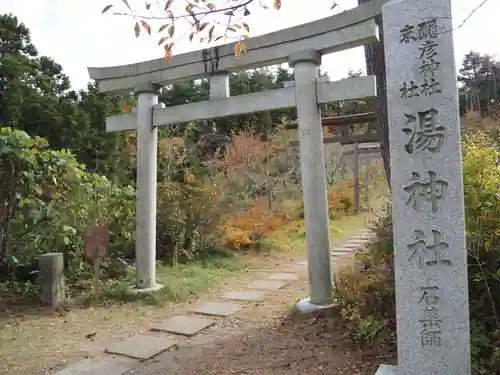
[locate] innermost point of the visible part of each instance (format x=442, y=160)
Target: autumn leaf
x=146, y=27
x=246, y=13
x=148, y=5
x=171, y=31
x=168, y=53
x=334, y=5
x=211, y=6
x=245, y=25
x=191, y=36
x=189, y=9
x=106, y=8
x=237, y=50
x=162, y=40
x=211, y=33
x=203, y=25
x=162, y=27
x=127, y=108
x=137, y=30
x=277, y=4
x=168, y=4
x=127, y=4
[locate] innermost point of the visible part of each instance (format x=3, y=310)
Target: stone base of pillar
x=387, y=370
x=133, y=290
x=305, y=306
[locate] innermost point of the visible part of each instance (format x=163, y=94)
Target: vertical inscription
x=425, y=134
x=431, y=335
x=426, y=33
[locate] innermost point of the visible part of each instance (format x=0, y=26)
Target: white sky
x=76, y=35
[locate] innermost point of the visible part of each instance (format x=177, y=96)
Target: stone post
x=51, y=279
x=147, y=147
x=367, y=178
x=430, y=255
x=356, y=177
x=312, y=166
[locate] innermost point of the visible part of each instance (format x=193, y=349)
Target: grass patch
x=292, y=237
x=179, y=283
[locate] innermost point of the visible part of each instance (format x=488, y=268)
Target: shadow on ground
x=292, y=345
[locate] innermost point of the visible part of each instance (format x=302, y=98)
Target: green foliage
x=52, y=200
x=366, y=289
x=482, y=199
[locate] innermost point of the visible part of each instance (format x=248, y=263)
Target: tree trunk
x=375, y=64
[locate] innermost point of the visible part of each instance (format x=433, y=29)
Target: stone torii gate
x=302, y=47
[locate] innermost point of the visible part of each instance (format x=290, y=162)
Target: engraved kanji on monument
x=427, y=193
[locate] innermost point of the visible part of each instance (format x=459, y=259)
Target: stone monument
x=427, y=190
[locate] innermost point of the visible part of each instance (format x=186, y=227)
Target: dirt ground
x=262, y=338
x=294, y=345
x=268, y=338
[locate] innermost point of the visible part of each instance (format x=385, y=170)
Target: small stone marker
x=183, y=325
x=282, y=276
x=105, y=366
x=246, y=295
x=266, y=285
x=51, y=279
x=217, y=308
x=142, y=346
x=430, y=256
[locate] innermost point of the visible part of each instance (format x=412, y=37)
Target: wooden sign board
x=96, y=242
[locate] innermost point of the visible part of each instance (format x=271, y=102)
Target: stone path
x=172, y=332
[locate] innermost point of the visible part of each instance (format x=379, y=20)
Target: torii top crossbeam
x=349, y=29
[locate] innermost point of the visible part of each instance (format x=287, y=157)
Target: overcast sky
x=76, y=35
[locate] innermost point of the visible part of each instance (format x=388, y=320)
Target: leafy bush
x=52, y=200
x=366, y=289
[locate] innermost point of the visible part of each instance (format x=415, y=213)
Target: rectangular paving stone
x=217, y=308
x=186, y=325
x=267, y=285
x=105, y=366
x=352, y=245
x=142, y=346
x=302, y=263
x=282, y=276
x=246, y=295
x=342, y=250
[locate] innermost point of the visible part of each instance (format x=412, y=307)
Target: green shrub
x=51, y=200
x=366, y=290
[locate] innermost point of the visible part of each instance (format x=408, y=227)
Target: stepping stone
x=353, y=245
x=361, y=241
x=246, y=295
x=267, y=285
x=302, y=263
x=364, y=237
x=105, y=366
x=282, y=276
x=141, y=346
x=342, y=250
x=183, y=325
x=217, y=308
